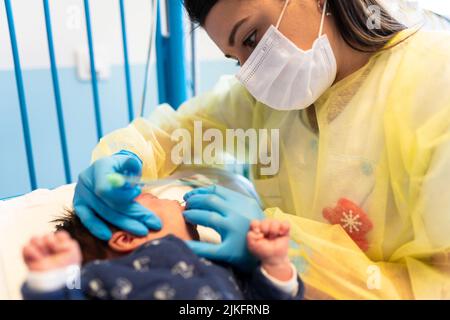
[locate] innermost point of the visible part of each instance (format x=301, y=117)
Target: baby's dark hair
x=91, y=247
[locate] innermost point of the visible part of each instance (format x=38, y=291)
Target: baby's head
x=169, y=211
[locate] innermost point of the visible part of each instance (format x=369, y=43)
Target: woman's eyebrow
x=232, y=38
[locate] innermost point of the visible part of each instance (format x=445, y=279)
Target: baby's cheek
x=171, y=207
x=151, y=204
x=145, y=197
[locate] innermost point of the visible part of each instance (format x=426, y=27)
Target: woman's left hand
x=230, y=214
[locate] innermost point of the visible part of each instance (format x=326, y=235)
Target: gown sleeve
x=228, y=106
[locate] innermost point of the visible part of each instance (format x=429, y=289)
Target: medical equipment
x=119, y=180
x=97, y=201
x=151, y=44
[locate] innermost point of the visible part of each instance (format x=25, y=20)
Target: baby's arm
x=48, y=259
x=268, y=240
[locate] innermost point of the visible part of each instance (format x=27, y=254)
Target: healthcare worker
x=363, y=108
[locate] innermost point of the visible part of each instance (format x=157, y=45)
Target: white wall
x=70, y=33
x=79, y=118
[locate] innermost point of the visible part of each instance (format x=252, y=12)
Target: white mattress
x=21, y=218
x=29, y=215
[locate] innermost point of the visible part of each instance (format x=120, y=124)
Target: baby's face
x=171, y=214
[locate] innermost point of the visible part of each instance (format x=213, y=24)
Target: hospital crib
x=176, y=77
x=175, y=70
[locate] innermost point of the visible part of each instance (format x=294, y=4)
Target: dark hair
x=351, y=17
x=91, y=247
x=198, y=10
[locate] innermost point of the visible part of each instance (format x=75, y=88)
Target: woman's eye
x=251, y=41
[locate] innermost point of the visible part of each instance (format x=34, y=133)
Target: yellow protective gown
x=383, y=143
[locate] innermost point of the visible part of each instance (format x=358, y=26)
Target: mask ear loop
x=282, y=14
x=323, y=18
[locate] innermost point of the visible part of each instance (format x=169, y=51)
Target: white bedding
x=21, y=218
x=31, y=214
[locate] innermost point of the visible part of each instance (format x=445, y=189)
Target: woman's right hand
x=96, y=200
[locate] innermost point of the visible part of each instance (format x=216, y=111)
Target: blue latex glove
x=95, y=197
x=230, y=214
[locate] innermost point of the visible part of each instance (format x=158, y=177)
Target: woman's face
x=237, y=26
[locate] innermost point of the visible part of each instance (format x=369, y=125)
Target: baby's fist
x=52, y=251
x=268, y=240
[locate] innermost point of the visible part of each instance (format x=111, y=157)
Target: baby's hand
x=52, y=251
x=268, y=240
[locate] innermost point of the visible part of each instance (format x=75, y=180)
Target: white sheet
x=20, y=219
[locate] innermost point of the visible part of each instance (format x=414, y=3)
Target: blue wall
x=79, y=120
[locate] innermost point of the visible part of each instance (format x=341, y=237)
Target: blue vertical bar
x=126, y=61
x=21, y=94
x=171, y=58
x=194, y=75
x=161, y=62
x=57, y=91
x=93, y=70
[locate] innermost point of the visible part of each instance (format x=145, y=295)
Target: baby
x=158, y=266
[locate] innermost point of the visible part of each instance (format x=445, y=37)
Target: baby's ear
x=124, y=242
